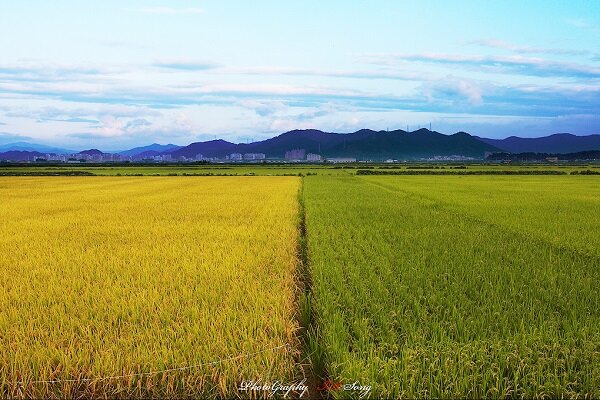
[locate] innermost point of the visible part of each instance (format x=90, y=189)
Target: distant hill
x=17, y=155
x=26, y=146
x=212, y=148
x=362, y=144
x=91, y=152
x=147, y=154
x=557, y=143
x=154, y=147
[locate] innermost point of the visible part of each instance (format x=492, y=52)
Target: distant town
x=96, y=156
x=314, y=146
x=291, y=156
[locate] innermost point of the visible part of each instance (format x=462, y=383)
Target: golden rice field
x=118, y=276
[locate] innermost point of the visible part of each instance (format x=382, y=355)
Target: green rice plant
x=445, y=287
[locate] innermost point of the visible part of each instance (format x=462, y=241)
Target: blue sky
x=116, y=74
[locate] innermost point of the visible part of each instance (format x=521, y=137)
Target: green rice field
x=457, y=286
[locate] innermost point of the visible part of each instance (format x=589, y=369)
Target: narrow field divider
x=311, y=362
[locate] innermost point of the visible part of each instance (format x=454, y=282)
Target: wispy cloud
x=515, y=64
x=444, y=95
x=459, y=91
x=115, y=116
x=182, y=65
x=137, y=123
x=80, y=120
x=172, y=10
x=352, y=74
x=500, y=44
x=73, y=120
x=123, y=129
x=33, y=71
x=186, y=65
x=88, y=135
x=312, y=117
x=264, y=108
x=124, y=107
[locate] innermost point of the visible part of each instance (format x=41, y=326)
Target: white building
x=313, y=157
x=56, y=157
x=295, y=154
x=254, y=156
x=236, y=157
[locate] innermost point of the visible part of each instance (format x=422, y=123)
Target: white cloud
x=512, y=64
x=352, y=74
x=455, y=90
x=501, y=44
x=53, y=113
x=264, y=108
x=186, y=65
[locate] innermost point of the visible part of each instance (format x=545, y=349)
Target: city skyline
x=116, y=75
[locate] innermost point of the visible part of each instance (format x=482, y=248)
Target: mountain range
x=20, y=155
x=362, y=144
x=150, y=150
x=31, y=147
x=557, y=143
x=398, y=144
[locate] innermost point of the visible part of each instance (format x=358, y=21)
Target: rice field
x=186, y=286
x=457, y=286
x=117, y=276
